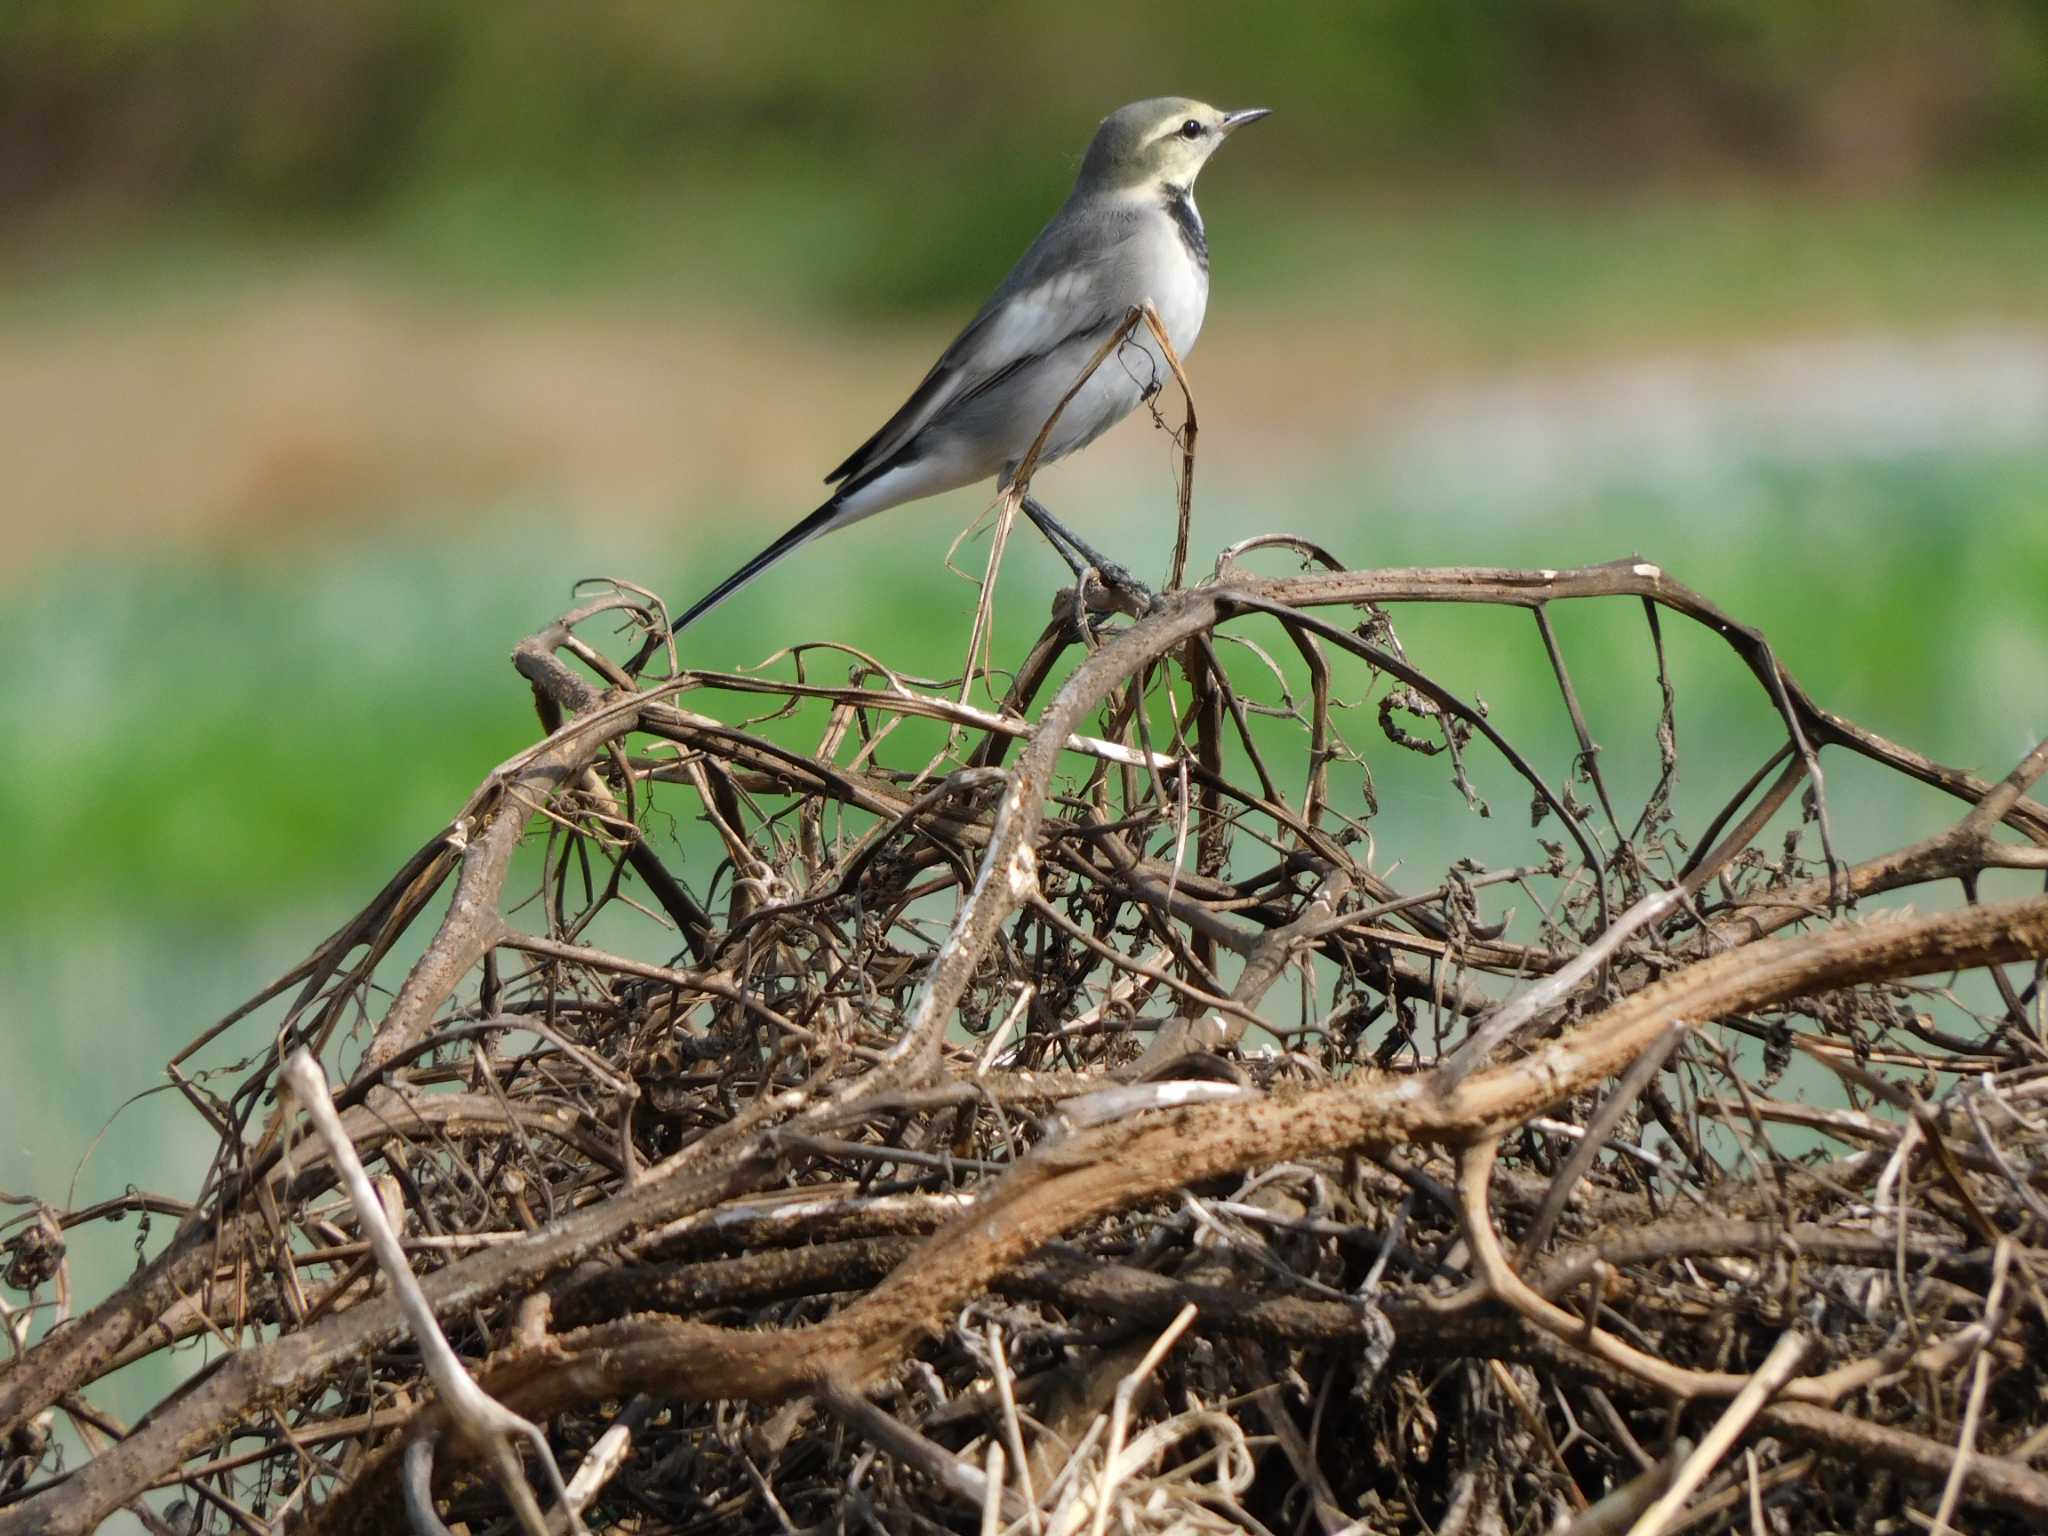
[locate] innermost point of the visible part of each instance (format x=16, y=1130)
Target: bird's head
x=1163, y=142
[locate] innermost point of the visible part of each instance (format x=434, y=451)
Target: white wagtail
x=1128, y=236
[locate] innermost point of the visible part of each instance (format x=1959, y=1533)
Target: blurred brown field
x=337, y=396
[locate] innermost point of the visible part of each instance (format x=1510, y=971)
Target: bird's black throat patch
x=1181, y=208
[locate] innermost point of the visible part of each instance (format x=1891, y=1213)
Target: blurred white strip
x=1539, y=437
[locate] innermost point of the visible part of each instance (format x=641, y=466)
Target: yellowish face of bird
x=1160, y=143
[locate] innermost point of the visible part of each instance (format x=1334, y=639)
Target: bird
x=1128, y=235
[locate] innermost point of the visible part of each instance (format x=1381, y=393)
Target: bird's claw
x=1098, y=596
x=1118, y=580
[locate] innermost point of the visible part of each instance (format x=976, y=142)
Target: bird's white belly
x=1181, y=297
x=1135, y=371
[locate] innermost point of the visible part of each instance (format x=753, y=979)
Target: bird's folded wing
x=1030, y=317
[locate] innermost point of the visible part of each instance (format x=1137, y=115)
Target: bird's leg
x=1056, y=535
x=1081, y=557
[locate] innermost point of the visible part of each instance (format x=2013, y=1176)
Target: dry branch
x=833, y=1120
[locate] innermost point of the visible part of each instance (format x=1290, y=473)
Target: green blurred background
x=337, y=340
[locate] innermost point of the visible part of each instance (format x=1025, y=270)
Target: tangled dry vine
x=890, y=1111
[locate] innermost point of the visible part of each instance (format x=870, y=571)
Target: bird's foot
x=1119, y=582
x=1085, y=561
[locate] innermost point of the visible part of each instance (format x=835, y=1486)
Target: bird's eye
x=1192, y=128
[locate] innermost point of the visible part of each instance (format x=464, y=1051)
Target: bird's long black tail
x=826, y=518
x=821, y=521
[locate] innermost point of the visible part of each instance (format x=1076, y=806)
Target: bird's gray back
x=1100, y=255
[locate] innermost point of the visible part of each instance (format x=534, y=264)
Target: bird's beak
x=1232, y=121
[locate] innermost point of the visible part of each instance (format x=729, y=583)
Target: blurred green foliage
x=208, y=739
x=303, y=112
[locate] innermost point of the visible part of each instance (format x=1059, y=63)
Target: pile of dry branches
x=1044, y=1107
